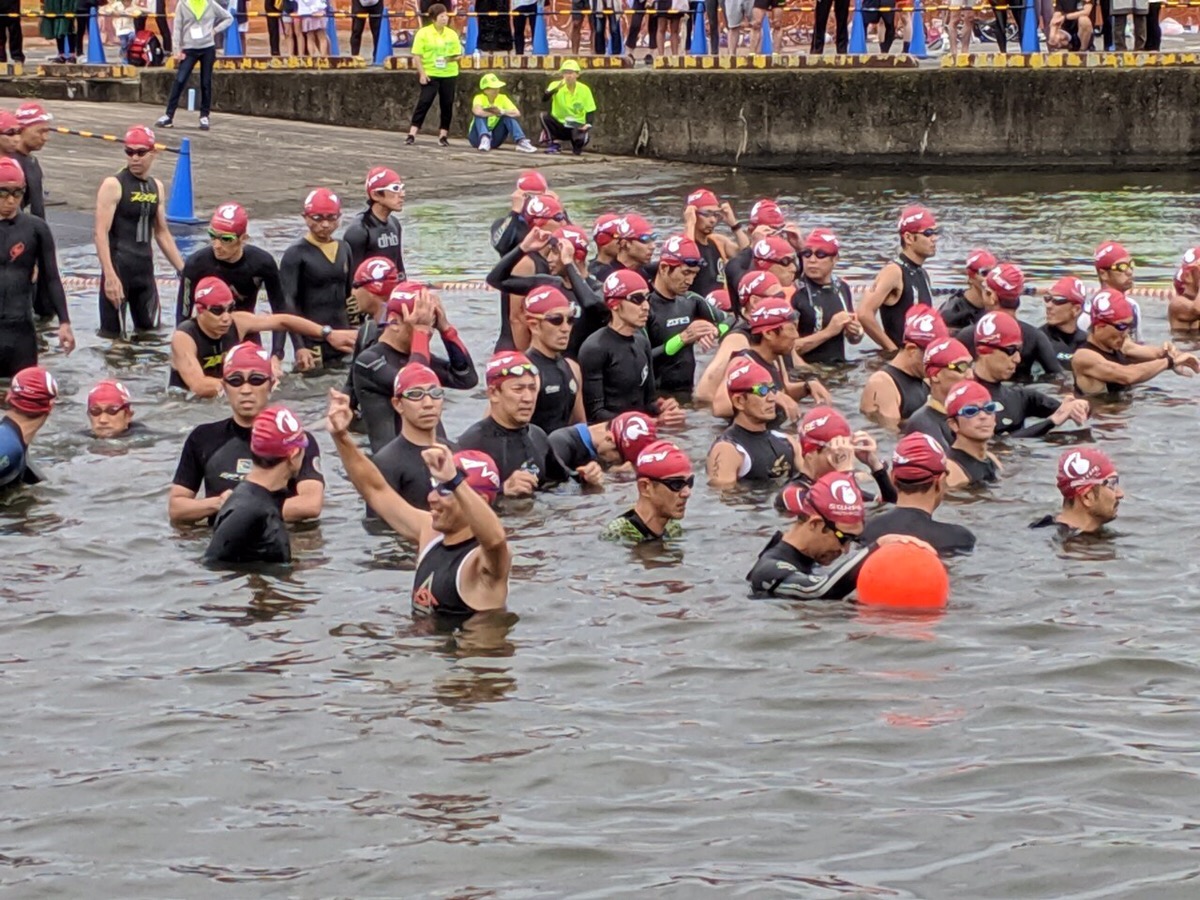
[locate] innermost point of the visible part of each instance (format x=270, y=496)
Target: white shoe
x=485, y=143
x=525, y=147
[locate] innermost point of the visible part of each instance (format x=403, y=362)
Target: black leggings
x=841, y=18
x=519, y=21
x=889, y=26
x=443, y=89
x=1154, y=28
x=374, y=18
x=18, y=347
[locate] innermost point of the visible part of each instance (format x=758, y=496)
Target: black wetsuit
x=508, y=232
x=945, y=538
x=556, y=399
x=593, y=314
x=883, y=480
x=712, y=274
x=1064, y=344
x=617, y=375
x=254, y=270
x=26, y=243
x=776, y=379
x=216, y=456
x=131, y=247
x=601, y=271
x=368, y=336
x=250, y=528
x=980, y=471
x=436, y=581
x=573, y=446
x=34, y=201
x=915, y=289
x=932, y=422
x=1062, y=531
x=1020, y=402
x=526, y=448
x=736, y=268
x=816, y=305
x=1116, y=356
x=14, y=456
x=367, y=237
x=913, y=391
x=765, y=454
x=502, y=279
x=959, y=312
x=783, y=571
x=401, y=465
x=317, y=289
x=210, y=351
x=669, y=317
x=373, y=378
x=1035, y=348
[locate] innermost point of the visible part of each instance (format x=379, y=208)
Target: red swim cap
x=702, y=198
x=772, y=313
x=679, y=251
x=139, y=137
x=966, y=393
x=633, y=227
x=768, y=213
x=508, y=364
x=109, y=392
x=820, y=425
x=382, y=178
x=276, y=433
x=632, y=432
x=1070, y=288
x=620, y=284
x=211, y=291
x=1006, y=281
x=1082, y=468
x=322, y=202
x=402, y=299
x=247, y=357
x=1109, y=306
x=9, y=122
x=544, y=299
x=229, y=218
x=11, y=171
x=980, y=260
x=574, y=236
x=758, y=284
x=834, y=497
x=914, y=219
x=542, y=208
x=942, y=353
x=719, y=298
x=824, y=240
x=662, y=459
x=997, y=330
x=1191, y=260
x=1109, y=254
x=772, y=250
x=33, y=391
x=378, y=275
x=923, y=325
x=33, y=114
x=532, y=182
x=604, y=229
x=414, y=375
x=918, y=458
x=483, y=476
x=745, y=374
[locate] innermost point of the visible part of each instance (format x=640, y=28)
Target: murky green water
x=643, y=729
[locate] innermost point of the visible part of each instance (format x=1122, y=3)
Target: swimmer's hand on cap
x=728, y=213
x=440, y=462
x=867, y=450
x=339, y=415
x=536, y=240
x=422, y=315
x=670, y=413
x=520, y=483
x=591, y=474
x=841, y=453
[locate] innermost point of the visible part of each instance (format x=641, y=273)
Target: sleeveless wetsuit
x=913, y=391
x=210, y=351
x=1110, y=387
x=816, y=305
x=915, y=289
x=13, y=456
x=436, y=589
x=712, y=274
x=765, y=454
x=253, y=271
x=131, y=245
x=980, y=471
x=931, y=420
x=556, y=399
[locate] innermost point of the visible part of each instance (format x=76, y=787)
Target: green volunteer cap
x=570, y=66
x=490, y=81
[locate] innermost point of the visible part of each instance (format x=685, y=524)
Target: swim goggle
x=254, y=379
x=223, y=237
x=420, y=393
x=676, y=485
x=819, y=254
x=971, y=411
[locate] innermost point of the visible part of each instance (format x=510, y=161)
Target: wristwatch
x=459, y=477
x=326, y=331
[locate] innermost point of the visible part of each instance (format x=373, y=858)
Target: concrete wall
x=783, y=119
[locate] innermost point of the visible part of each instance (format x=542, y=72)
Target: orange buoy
x=903, y=576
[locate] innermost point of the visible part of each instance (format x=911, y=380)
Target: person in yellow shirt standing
x=496, y=118
x=572, y=110
x=436, y=49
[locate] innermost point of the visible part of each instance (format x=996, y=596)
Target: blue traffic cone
x=180, y=204
x=233, y=38
x=616, y=45
x=541, y=46
x=472, y=32
x=383, y=49
x=335, y=48
x=699, y=45
x=95, y=54
x=1029, y=32
x=858, y=31
x=768, y=45
x=916, y=40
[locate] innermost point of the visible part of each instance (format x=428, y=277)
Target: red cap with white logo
x=631, y=432
x=109, y=392
x=382, y=178
x=758, y=284
x=576, y=238
x=33, y=391
x=1007, y=282
x=482, y=474
x=820, y=425
x=923, y=325
x=771, y=313
x=678, y=250
x=541, y=209
x=633, y=227
x=745, y=374
x=33, y=114
x=918, y=458
x=768, y=213
x=914, y=219
x=719, y=299
x=834, y=497
x=997, y=330
x=322, y=202
x=508, y=364
x=276, y=433
x=378, y=275
x=211, y=291
x=1110, y=306
x=966, y=393
x=402, y=299
x=702, y=198
x=943, y=353
x=247, y=357
x=414, y=375
x=980, y=260
x=139, y=137
x=621, y=284
x=544, y=299
x=662, y=459
x=532, y=182
x=604, y=229
x=823, y=240
x=771, y=250
x=11, y=171
x=1069, y=288
x=1083, y=468
x=229, y=218
x=1109, y=254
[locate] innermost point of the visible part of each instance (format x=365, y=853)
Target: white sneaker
x=485, y=143
x=525, y=147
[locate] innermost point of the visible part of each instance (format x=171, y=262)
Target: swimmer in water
x=901, y=283
x=1002, y=290
x=250, y=527
x=610, y=443
x=508, y=231
x=898, y=390
x=664, y=484
x=32, y=394
x=749, y=449
x=702, y=213
x=1064, y=305
x=1183, y=312
x=376, y=232
x=827, y=317
x=1115, y=272
x=463, y=559
x=947, y=362
x=828, y=445
x=418, y=399
x=1111, y=362
x=971, y=415
x=1091, y=490
x=109, y=410
x=966, y=306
